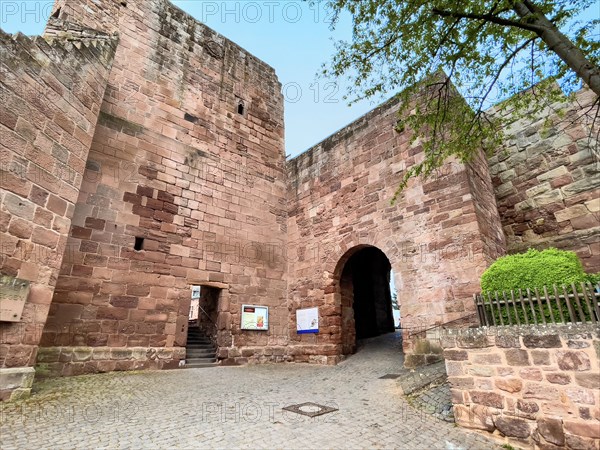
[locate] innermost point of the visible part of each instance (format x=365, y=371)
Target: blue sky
x=292, y=36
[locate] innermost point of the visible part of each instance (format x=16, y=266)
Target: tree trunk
x=560, y=44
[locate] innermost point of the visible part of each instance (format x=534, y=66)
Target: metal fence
x=565, y=304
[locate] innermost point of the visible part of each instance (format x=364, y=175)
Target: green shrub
x=533, y=270
x=593, y=278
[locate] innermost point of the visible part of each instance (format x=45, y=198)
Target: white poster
x=194, y=309
x=196, y=291
x=307, y=320
x=255, y=317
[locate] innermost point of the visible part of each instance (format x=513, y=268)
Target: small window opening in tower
x=240, y=108
x=139, y=244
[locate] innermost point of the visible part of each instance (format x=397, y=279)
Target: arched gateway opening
x=366, y=299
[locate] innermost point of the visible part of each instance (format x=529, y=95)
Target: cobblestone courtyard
x=233, y=407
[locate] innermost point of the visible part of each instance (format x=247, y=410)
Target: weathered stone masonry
x=547, y=181
x=51, y=93
x=176, y=163
x=535, y=386
x=439, y=236
x=142, y=153
x=188, y=156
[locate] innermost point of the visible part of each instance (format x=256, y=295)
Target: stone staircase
x=199, y=350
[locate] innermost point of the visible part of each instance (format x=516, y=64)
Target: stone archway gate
x=439, y=236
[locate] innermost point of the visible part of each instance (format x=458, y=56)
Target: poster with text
x=307, y=320
x=255, y=317
x=194, y=309
x=196, y=291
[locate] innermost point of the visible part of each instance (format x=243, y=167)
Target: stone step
x=200, y=365
x=422, y=376
x=201, y=356
x=200, y=346
x=200, y=353
x=199, y=360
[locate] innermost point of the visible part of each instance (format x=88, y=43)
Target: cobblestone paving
x=233, y=407
x=435, y=400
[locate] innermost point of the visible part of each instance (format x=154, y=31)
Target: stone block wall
x=547, y=181
x=69, y=361
x=533, y=386
x=102, y=15
x=488, y=217
x=183, y=185
x=339, y=196
x=50, y=97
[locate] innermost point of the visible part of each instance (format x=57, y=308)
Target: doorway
x=204, y=313
x=366, y=297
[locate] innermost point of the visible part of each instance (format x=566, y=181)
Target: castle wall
x=340, y=194
x=125, y=183
x=50, y=98
x=188, y=156
x=101, y=15
x=486, y=208
x=547, y=181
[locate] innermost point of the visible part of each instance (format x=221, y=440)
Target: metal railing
x=416, y=330
x=566, y=304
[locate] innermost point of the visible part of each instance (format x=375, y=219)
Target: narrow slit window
x=240, y=108
x=139, y=244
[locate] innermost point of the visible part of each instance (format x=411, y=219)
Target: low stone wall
x=426, y=349
x=426, y=341
x=15, y=383
x=67, y=361
x=533, y=386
